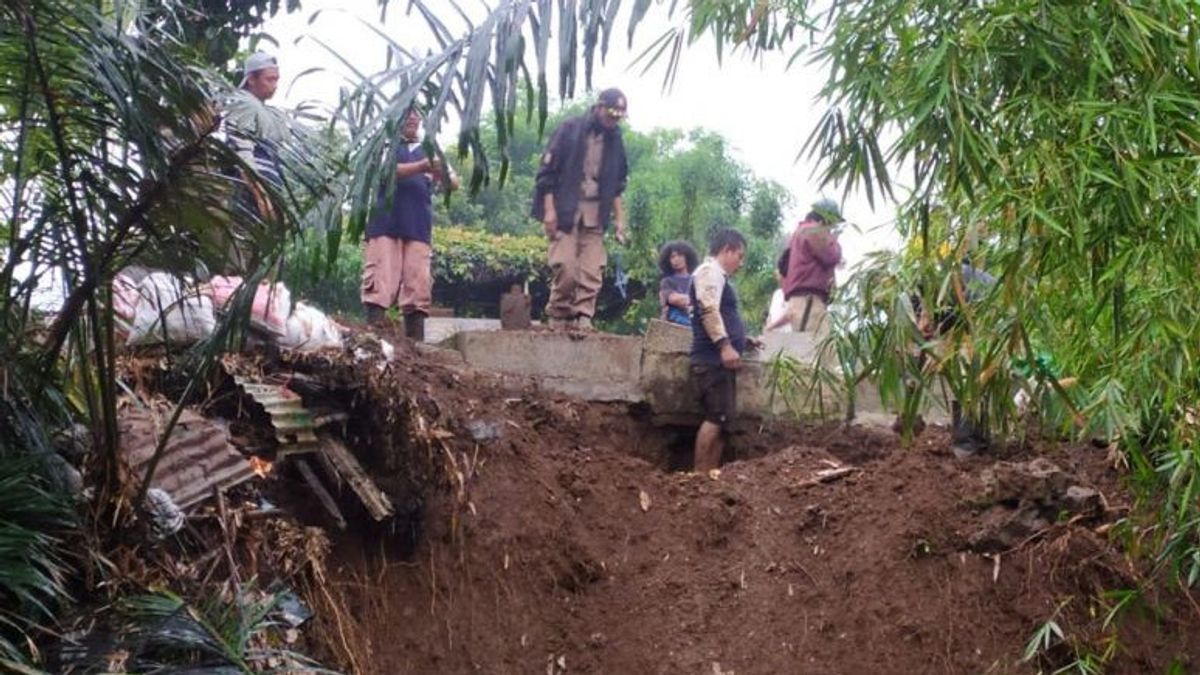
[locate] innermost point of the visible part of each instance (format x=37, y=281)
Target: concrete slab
x=594, y=366
x=666, y=383
x=656, y=369
x=439, y=329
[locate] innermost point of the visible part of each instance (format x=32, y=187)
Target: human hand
x=550, y=224
x=622, y=237
x=729, y=357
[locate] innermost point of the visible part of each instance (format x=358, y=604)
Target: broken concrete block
x=1082, y=500
x=1037, y=481
x=1004, y=528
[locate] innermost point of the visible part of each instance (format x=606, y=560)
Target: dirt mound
x=555, y=537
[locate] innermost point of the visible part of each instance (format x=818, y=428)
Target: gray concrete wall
x=667, y=388
x=655, y=369
x=595, y=366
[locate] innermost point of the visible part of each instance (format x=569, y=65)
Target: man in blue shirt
x=398, y=253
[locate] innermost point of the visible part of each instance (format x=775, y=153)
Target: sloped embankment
x=554, y=538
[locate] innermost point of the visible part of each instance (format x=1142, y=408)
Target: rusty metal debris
x=294, y=425
x=197, y=459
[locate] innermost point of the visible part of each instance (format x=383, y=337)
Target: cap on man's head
x=611, y=98
x=828, y=209
x=256, y=62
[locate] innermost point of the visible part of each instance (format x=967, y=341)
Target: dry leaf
x=644, y=500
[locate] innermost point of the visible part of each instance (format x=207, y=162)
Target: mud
x=539, y=533
x=549, y=535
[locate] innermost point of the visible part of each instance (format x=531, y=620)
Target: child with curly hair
x=676, y=262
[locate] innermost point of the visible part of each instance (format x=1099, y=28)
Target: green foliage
x=1059, y=142
x=110, y=158
x=162, y=632
x=213, y=28
x=34, y=521
x=330, y=283
x=1046, y=636
x=466, y=256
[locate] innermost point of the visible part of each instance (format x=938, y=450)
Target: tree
x=1056, y=144
x=110, y=158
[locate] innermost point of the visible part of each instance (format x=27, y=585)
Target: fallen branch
x=828, y=476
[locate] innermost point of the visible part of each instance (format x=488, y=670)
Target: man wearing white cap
x=260, y=76
x=254, y=131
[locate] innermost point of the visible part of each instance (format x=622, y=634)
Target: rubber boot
x=376, y=315
x=414, y=326
x=964, y=437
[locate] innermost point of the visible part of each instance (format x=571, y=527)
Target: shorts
x=717, y=388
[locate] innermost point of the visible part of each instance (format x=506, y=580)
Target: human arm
x=668, y=296
x=444, y=175
x=550, y=216
x=619, y=219
x=546, y=182
x=709, y=284
x=406, y=170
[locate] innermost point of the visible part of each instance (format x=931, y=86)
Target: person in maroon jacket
x=811, y=258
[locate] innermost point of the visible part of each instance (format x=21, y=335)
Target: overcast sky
x=764, y=110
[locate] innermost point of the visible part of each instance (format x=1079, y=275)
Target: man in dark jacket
x=577, y=194
x=254, y=130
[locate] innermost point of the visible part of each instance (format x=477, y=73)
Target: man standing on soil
x=578, y=191
x=718, y=340
x=813, y=255
x=398, y=252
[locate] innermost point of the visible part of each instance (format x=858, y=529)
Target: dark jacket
x=561, y=171
x=813, y=255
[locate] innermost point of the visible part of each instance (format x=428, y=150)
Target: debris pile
x=1025, y=499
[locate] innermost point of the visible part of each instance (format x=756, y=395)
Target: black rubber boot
x=966, y=437
x=414, y=326
x=376, y=315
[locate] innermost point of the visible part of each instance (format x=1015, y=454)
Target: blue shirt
x=407, y=212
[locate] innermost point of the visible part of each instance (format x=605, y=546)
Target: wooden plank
x=374, y=499
x=323, y=495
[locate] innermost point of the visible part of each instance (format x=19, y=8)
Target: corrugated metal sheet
x=198, y=456
x=295, y=428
